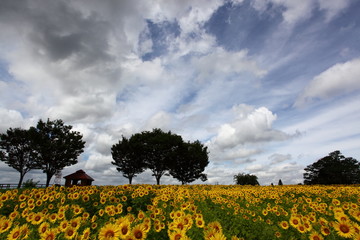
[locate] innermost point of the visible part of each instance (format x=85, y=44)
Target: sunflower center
x=177, y=237
x=50, y=237
x=109, y=234
x=124, y=230
x=138, y=234
x=16, y=234
x=344, y=229
x=316, y=238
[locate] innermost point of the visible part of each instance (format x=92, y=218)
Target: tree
x=126, y=157
x=189, y=162
x=333, y=169
x=158, y=150
x=246, y=179
x=280, y=182
x=56, y=146
x=17, y=152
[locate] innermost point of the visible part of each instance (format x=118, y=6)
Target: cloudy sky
x=270, y=86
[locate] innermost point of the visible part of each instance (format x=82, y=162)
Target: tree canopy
x=56, y=146
x=162, y=153
x=246, y=179
x=190, y=162
x=17, y=152
x=126, y=157
x=333, y=169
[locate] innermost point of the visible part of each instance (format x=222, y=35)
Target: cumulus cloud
x=337, y=80
x=251, y=125
x=10, y=118
x=245, y=135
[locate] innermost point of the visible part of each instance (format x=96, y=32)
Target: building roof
x=79, y=175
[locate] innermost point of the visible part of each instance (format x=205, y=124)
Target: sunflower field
x=212, y=212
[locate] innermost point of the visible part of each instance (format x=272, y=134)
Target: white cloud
x=160, y=120
x=333, y=7
x=220, y=62
x=249, y=126
x=337, y=80
x=10, y=118
x=246, y=135
x=297, y=11
x=98, y=162
x=278, y=158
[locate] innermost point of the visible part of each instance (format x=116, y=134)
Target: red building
x=79, y=178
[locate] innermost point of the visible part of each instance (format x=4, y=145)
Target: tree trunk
x=21, y=180
x=130, y=180
x=48, y=178
x=158, y=179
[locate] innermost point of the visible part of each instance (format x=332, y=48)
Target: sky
x=269, y=86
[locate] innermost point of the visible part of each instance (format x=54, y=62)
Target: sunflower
x=355, y=214
x=109, y=232
x=294, y=221
x=15, y=233
x=325, y=230
x=86, y=234
x=199, y=222
x=43, y=227
x=5, y=224
x=301, y=228
x=315, y=236
x=49, y=234
x=208, y=233
x=24, y=231
x=357, y=237
x=341, y=216
x=146, y=226
x=216, y=226
x=53, y=217
x=308, y=226
x=176, y=235
x=63, y=225
x=138, y=232
x=344, y=229
x=323, y=221
x=75, y=223
x=38, y=218
x=124, y=228
x=217, y=236
x=284, y=224
x=70, y=232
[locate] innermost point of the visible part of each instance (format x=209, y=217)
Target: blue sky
x=269, y=86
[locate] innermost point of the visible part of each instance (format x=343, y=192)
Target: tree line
x=52, y=145
x=334, y=168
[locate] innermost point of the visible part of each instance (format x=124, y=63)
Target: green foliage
x=17, y=152
x=126, y=157
x=161, y=152
x=56, y=146
x=245, y=179
x=158, y=150
x=189, y=162
x=29, y=184
x=333, y=169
